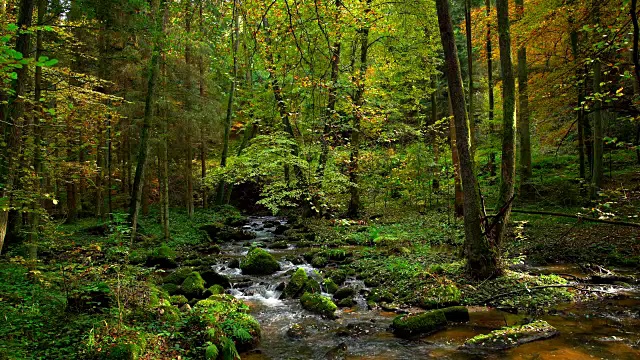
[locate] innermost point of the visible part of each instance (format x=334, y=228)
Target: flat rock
x=512, y=336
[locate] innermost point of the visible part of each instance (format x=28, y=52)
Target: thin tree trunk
x=143, y=149
x=489, y=59
x=523, y=121
x=16, y=109
x=435, y=183
x=203, y=141
x=458, y=208
x=355, y=205
x=474, y=128
x=636, y=63
x=189, y=87
x=580, y=121
x=598, y=138
x=508, y=167
x=482, y=259
x=220, y=194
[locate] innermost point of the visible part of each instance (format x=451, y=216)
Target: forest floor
x=92, y=294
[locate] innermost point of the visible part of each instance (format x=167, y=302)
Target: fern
x=229, y=351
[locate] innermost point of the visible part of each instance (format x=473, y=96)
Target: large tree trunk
x=580, y=120
x=355, y=206
x=220, y=194
x=134, y=206
x=14, y=123
x=482, y=258
x=636, y=63
x=458, y=204
x=508, y=167
x=523, y=121
x=489, y=59
x=190, y=126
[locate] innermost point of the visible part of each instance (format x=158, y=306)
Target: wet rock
x=234, y=264
x=280, y=229
x=193, y=285
x=296, y=284
x=344, y=292
x=318, y=304
x=456, y=313
x=348, y=302
x=512, y=336
x=219, y=232
x=281, y=286
x=283, y=244
x=213, y=278
x=338, y=353
x=419, y=324
x=259, y=262
x=297, y=331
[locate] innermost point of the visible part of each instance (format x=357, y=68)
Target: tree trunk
x=134, y=206
x=355, y=206
x=636, y=63
x=458, y=208
x=580, y=120
x=523, y=121
x=508, y=167
x=435, y=183
x=220, y=194
x=474, y=128
x=13, y=127
x=489, y=59
x=598, y=138
x=482, y=259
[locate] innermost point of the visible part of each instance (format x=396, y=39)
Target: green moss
x=193, y=285
x=259, y=262
x=178, y=300
x=456, y=313
x=178, y=276
x=318, y=304
x=162, y=256
x=131, y=350
x=441, y=296
x=312, y=286
x=214, y=290
x=171, y=289
x=423, y=323
x=344, y=293
x=319, y=261
x=295, y=285
x=330, y=286
x=511, y=336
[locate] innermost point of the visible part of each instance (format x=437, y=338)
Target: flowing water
x=607, y=329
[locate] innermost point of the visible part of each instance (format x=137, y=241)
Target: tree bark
x=508, y=167
x=458, y=204
x=598, y=138
x=355, y=206
x=482, y=259
x=16, y=109
x=474, y=128
x=636, y=63
x=489, y=59
x=523, y=121
x=220, y=194
x=134, y=206
x=580, y=121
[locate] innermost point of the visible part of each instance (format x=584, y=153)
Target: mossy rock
x=193, y=285
x=178, y=300
x=312, y=286
x=259, y=262
x=280, y=229
x=512, y=336
x=338, y=276
x=137, y=257
x=319, y=261
x=348, y=302
x=318, y=304
x=213, y=290
x=378, y=295
x=282, y=244
x=419, y=324
x=178, y=276
x=330, y=286
x=344, y=293
x=162, y=256
x=212, y=230
x=132, y=350
x=456, y=313
x=171, y=289
x=295, y=285
x=213, y=278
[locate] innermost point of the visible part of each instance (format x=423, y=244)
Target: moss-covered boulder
x=213, y=290
x=330, y=286
x=212, y=230
x=193, y=285
x=312, y=286
x=347, y=302
x=171, y=289
x=178, y=300
x=419, y=324
x=162, y=256
x=318, y=304
x=178, y=276
x=456, y=313
x=295, y=285
x=512, y=336
x=213, y=278
x=441, y=296
x=132, y=349
x=259, y=262
x=344, y=293
x=319, y=261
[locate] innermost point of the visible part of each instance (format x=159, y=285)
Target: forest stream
x=606, y=329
